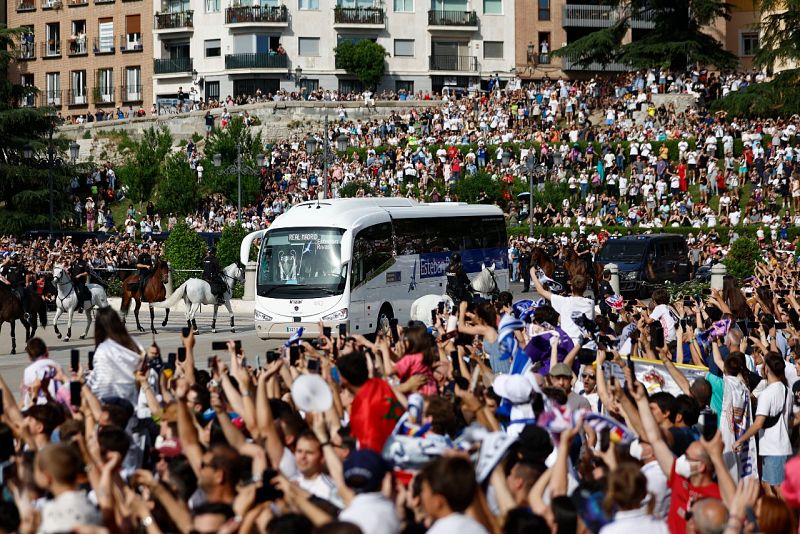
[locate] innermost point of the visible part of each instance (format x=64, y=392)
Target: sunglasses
x=584, y=375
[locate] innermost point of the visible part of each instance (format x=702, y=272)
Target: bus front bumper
x=285, y=330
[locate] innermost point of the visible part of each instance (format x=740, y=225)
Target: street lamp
x=74, y=151
x=506, y=157
x=342, y=143
x=533, y=171
x=239, y=168
x=311, y=145
x=27, y=151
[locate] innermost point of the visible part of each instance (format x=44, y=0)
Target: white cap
x=515, y=388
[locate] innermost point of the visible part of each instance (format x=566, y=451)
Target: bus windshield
x=302, y=263
x=622, y=250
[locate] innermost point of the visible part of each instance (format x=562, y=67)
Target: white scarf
x=736, y=417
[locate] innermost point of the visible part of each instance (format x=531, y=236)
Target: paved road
x=168, y=338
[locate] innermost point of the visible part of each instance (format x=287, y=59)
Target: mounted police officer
x=211, y=274
x=14, y=273
x=80, y=277
x=144, y=264
x=457, y=281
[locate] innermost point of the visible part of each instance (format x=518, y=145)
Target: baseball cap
x=515, y=388
x=169, y=448
x=364, y=470
x=561, y=369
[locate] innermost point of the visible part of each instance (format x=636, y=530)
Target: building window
x=133, y=32
x=213, y=48
x=78, y=88
x=308, y=46
x=212, y=6
x=53, y=89
x=53, y=36
x=212, y=91
x=308, y=85
x=404, y=48
x=350, y=86
x=29, y=100
x=27, y=43
x=400, y=85
x=492, y=7
x=308, y=5
x=544, y=9
x=133, y=84
x=77, y=39
x=104, y=90
x=105, y=42
x=493, y=50
x=749, y=45
x=404, y=6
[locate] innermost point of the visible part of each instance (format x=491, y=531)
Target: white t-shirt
x=36, y=371
x=774, y=441
x=457, y=523
x=565, y=306
x=664, y=315
x=373, y=513
x=321, y=486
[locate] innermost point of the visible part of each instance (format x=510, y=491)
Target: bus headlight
x=340, y=315
x=261, y=316
x=629, y=275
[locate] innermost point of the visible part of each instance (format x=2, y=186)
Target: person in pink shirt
x=418, y=358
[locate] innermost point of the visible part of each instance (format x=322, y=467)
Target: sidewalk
x=240, y=307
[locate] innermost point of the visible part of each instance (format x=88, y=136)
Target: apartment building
x=84, y=55
x=225, y=47
x=545, y=25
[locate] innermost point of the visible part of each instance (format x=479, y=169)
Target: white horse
x=422, y=307
x=485, y=284
x=67, y=301
x=195, y=292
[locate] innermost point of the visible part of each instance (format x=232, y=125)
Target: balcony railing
x=358, y=15
x=51, y=48
x=173, y=21
x=27, y=101
x=102, y=46
x=571, y=64
x=77, y=97
x=51, y=4
x=236, y=15
x=103, y=96
x=77, y=47
x=169, y=66
x=131, y=93
x=131, y=42
x=26, y=50
x=77, y=3
x=454, y=63
x=600, y=16
x=452, y=18
x=26, y=5
x=259, y=60
x=104, y=1
x=51, y=97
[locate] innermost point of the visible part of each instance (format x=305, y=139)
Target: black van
x=654, y=259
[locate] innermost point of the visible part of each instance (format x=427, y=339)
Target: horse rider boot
x=80, y=275
x=144, y=264
x=457, y=281
x=14, y=273
x=211, y=274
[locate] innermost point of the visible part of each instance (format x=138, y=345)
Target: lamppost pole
x=50, y=164
x=239, y=183
x=238, y=168
x=325, y=161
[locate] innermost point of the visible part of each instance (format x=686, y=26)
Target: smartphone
x=688, y=302
x=603, y=341
x=393, y=328
x=75, y=360
x=461, y=382
x=706, y=291
x=91, y=360
x=605, y=439
x=448, y=335
x=587, y=356
x=709, y=421
x=181, y=354
x=185, y=331
x=631, y=366
x=171, y=357
x=780, y=326
x=272, y=356
x=313, y=365
x=268, y=492
x=2, y=406
x=440, y=307
x=294, y=355
x=454, y=363
x=219, y=345
x=326, y=331
x=434, y=315
x=75, y=393
x=342, y=330
x=243, y=363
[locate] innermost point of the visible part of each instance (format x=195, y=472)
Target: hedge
x=723, y=231
x=184, y=249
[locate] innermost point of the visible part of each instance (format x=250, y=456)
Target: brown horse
x=11, y=312
x=576, y=265
x=154, y=291
x=543, y=260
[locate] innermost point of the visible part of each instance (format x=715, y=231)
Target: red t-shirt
x=684, y=495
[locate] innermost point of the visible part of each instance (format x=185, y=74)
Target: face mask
x=683, y=467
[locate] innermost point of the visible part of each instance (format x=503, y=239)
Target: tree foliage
x=184, y=249
x=229, y=244
x=224, y=142
x=176, y=191
x=779, y=33
x=678, y=38
x=144, y=160
x=364, y=59
x=742, y=257
x=779, y=97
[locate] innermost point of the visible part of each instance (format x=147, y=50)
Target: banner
x=655, y=376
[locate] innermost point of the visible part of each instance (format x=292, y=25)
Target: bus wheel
x=384, y=316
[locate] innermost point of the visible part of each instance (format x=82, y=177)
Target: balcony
x=77, y=47
x=452, y=20
x=102, y=47
x=52, y=4
x=51, y=98
x=77, y=3
x=26, y=5
x=77, y=97
x=259, y=60
x=131, y=93
x=358, y=17
x=260, y=17
x=599, y=16
x=26, y=51
x=180, y=22
x=130, y=42
x=180, y=65
x=103, y=96
x=571, y=64
x=454, y=63
x=51, y=48
x=104, y=1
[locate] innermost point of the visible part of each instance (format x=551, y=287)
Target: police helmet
x=455, y=258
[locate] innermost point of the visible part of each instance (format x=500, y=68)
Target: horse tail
x=176, y=296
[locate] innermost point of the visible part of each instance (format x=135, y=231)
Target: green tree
x=229, y=244
x=350, y=189
x=144, y=158
x=24, y=190
x=679, y=37
x=779, y=33
x=184, y=249
x=176, y=191
x=224, y=142
x=780, y=97
x=742, y=257
x=364, y=59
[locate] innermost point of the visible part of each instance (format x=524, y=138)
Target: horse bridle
x=60, y=284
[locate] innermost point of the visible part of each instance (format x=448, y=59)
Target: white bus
x=361, y=262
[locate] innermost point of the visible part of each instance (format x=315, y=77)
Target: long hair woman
x=117, y=357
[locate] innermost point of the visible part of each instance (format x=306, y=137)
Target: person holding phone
x=419, y=357
x=41, y=366
x=575, y=304
x=117, y=357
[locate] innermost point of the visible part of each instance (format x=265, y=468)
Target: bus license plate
x=292, y=329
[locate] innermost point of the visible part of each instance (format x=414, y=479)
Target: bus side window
x=371, y=249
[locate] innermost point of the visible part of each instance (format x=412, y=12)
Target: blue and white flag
x=295, y=338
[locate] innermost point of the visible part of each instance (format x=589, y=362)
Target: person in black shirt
x=14, y=272
x=144, y=264
x=80, y=277
x=457, y=281
x=211, y=274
